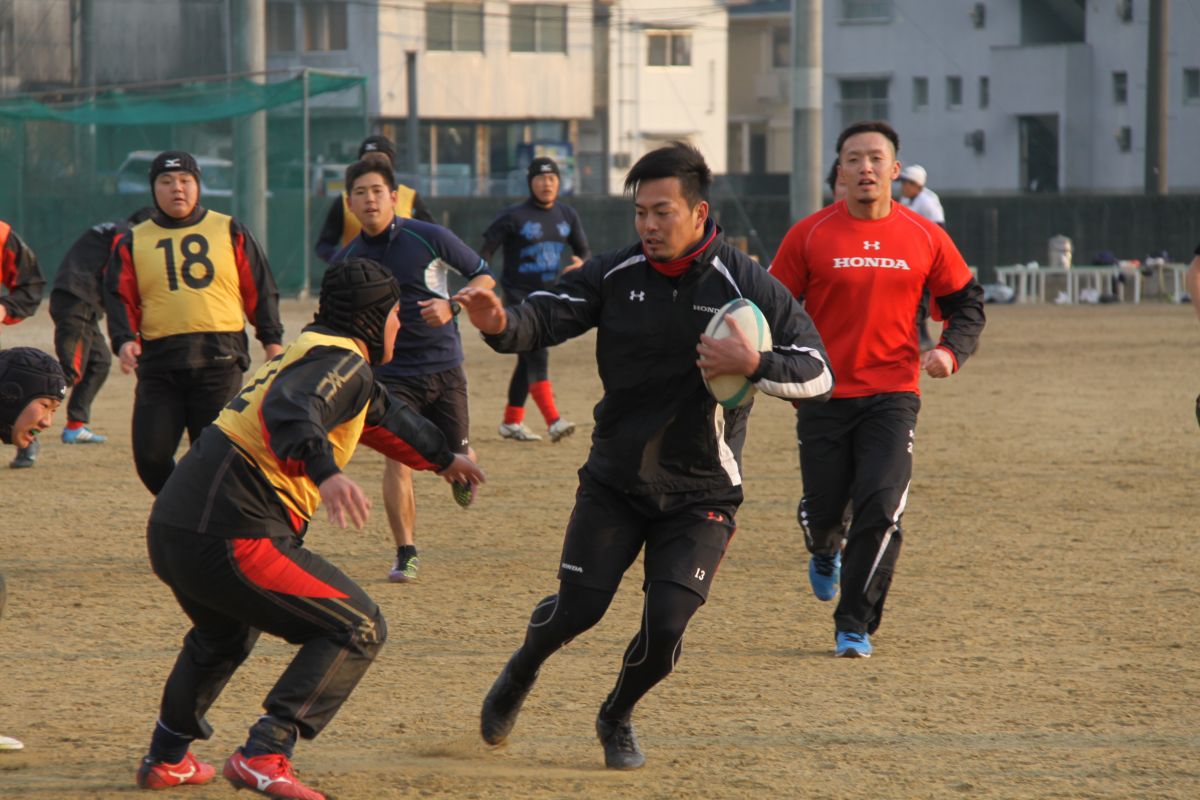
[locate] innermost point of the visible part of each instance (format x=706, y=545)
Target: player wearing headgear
x=427, y=371
x=32, y=386
x=860, y=266
x=21, y=286
x=664, y=471
x=341, y=226
x=76, y=306
x=226, y=535
x=534, y=235
x=179, y=288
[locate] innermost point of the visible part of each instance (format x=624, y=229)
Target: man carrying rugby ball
x=664, y=471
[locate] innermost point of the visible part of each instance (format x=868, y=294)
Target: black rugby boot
x=621, y=749
x=502, y=704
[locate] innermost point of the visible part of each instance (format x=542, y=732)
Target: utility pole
x=807, y=76
x=249, y=26
x=1156, y=98
x=87, y=43
x=414, y=119
x=86, y=136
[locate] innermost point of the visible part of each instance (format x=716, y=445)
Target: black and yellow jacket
x=254, y=473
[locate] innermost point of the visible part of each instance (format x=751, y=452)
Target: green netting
x=196, y=102
x=69, y=164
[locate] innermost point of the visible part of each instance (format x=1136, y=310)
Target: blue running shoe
x=824, y=573
x=84, y=435
x=853, y=645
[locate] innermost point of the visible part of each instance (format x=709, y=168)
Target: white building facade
x=612, y=79
x=491, y=76
x=667, y=65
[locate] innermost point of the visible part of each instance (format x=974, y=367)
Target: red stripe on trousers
x=267, y=568
x=77, y=361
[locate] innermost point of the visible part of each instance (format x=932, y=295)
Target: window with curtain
x=538, y=28
x=454, y=26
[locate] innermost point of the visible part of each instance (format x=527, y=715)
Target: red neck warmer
x=673, y=269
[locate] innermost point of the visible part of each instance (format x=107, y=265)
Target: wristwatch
x=455, y=307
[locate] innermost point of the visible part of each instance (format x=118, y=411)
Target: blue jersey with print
x=420, y=255
x=534, y=239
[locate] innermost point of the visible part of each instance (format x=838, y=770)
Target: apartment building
x=991, y=97
x=491, y=76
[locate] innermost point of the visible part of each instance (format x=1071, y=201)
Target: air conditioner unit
x=974, y=140
x=10, y=84
x=979, y=15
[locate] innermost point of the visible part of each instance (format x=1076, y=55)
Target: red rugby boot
x=269, y=775
x=157, y=775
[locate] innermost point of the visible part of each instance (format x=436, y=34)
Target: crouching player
x=226, y=534
x=32, y=386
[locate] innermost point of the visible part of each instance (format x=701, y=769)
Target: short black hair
x=831, y=178
x=372, y=163
x=870, y=126
x=677, y=160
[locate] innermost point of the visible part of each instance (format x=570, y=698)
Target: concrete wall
x=989, y=230
x=156, y=40
x=491, y=85
x=40, y=53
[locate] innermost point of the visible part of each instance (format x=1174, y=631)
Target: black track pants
x=83, y=352
x=232, y=589
x=168, y=402
x=858, y=450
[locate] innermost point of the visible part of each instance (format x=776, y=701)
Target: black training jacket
x=79, y=282
x=657, y=428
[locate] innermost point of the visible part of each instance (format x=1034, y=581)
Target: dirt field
x=1040, y=639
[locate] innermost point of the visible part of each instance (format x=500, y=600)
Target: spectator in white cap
x=924, y=201
x=920, y=198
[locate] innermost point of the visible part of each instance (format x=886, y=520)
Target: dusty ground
x=1040, y=640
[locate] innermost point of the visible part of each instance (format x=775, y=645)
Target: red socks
x=514, y=414
x=543, y=395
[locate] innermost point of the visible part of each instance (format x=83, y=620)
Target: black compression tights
x=650, y=656
x=531, y=367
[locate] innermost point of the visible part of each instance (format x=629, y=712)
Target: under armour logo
x=370, y=147
x=172, y=162
x=870, y=245
x=639, y=296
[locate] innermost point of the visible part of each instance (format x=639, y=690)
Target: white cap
x=914, y=173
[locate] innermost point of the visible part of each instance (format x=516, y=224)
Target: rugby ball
x=732, y=391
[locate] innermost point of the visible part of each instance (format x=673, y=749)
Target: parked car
x=216, y=174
